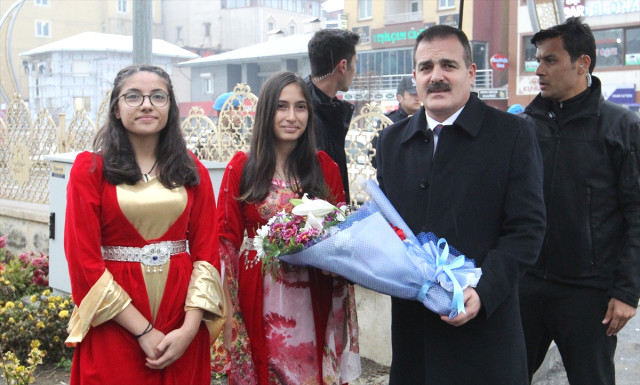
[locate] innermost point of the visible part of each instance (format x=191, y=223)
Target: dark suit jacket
x=483, y=194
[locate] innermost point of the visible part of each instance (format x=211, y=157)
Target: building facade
x=76, y=72
x=388, y=30
x=34, y=23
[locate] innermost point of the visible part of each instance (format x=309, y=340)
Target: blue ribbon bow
x=457, y=301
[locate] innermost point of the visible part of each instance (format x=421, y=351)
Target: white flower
x=258, y=240
x=313, y=222
x=317, y=207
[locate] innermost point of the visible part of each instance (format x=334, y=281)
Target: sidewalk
x=627, y=360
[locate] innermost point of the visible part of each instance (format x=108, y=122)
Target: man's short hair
x=442, y=31
x=577, y=39
x=328, y=47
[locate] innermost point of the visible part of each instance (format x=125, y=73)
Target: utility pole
x=142, y=32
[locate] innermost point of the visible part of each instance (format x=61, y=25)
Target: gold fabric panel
x=205, y=292
x=155, y=283
x=105, y=300
x=150, y=207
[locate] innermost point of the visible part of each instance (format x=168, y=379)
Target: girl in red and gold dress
x=298, y=326
x=141, y=245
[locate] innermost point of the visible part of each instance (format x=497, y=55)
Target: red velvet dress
x=109, y=354
x=299, y=328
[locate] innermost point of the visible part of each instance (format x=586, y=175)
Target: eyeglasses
x=135, y=99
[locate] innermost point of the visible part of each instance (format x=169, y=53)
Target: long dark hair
x=176, y=166
x=302, y=167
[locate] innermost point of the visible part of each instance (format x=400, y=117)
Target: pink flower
x=24, y=258
x=38, y=262
x=3, y=241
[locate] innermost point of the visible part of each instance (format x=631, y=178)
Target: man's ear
x=584, y=62
x=342, y=66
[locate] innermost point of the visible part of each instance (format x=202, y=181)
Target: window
x=446, y=4
x=632, y=55
x=42, y=3
x=122, y=6
x=43, y=28
x=364, y=9
x=609, y=47
x=207, y=84
x=386, y=62
x=292, y=28
x=414, y=6
x=207, y=29
x=179, y=33
x=530, y=62
x=270, y=26
x=479, y=54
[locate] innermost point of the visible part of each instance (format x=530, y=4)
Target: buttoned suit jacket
x=482, y=192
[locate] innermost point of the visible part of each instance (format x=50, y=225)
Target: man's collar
x=469, y=119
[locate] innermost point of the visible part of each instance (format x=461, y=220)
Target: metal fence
x=24, y=172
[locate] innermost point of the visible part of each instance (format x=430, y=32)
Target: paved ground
x=552, y=373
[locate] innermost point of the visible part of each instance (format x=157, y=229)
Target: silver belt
x=155, y=254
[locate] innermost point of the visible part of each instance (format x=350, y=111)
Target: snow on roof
x=294, y=45
x=94, y=41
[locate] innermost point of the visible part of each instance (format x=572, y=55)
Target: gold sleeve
x=105, y=300
x=205, y=292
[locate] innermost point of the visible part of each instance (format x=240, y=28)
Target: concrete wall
x=26, y=226
x=374, y=319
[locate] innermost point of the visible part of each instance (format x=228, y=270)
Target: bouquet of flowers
x=373, y=247
x=286, y=233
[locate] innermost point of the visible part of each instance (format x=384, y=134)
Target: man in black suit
x=477, y=182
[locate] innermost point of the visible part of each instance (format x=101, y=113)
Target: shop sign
x=611, y=7
x=492, y=93
x=573, y=8
x=499, y=62
x=397, y=36
x=364, y=33
x=620, y=93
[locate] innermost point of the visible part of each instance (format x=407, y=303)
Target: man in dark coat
x=332, y=55
x=408, y=100
x=478, y=184
x=586, y=283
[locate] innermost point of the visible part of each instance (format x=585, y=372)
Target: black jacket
x=483, y=194
x=397, y=115
x=332, y=117
x=592, y=193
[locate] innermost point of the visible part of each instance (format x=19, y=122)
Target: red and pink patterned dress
x=298, y=328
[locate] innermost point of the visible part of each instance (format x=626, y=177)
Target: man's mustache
x=438, y=86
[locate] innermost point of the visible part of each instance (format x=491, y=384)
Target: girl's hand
x=149, y=341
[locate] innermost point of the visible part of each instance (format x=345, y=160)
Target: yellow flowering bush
x=30, y=311
x=14, y=372
x=35, y=320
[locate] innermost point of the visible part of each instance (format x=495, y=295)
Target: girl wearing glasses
x=297, y=326
x=143, y=261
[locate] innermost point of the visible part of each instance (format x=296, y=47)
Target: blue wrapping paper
x=367, y=251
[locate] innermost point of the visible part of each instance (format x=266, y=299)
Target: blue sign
x=621, y=94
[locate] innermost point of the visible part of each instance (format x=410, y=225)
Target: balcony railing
x=398, y=18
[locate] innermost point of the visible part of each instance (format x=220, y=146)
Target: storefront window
x=609, y=47
x=530, y=62
x=632, y=56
